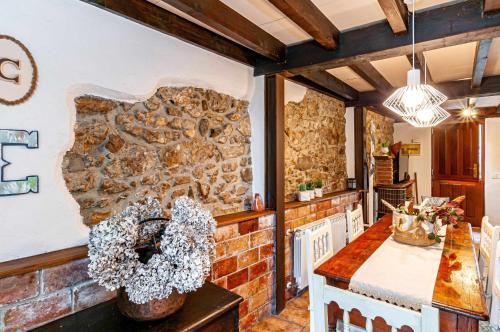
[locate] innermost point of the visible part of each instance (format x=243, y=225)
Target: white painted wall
x=294, y=92
x=82, y=49
x=406, y=133
x=492, y=169
x=349, y=142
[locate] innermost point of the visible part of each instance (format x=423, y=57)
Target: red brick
x=330, y=212
x=265, y=311
x=248, y=226
x=91, y=294
x=257, y=270
x=320, y=215
x=325, y=205
x=310, y=218
x=241, y=291
x=65, y=275
x=266, y=281
x=261, y=238
x=303, y=211
x=224, y=267
x=220, y=250
x=248, y=321
x=248, y=258
x=237, y=245
x=243, y=309
x=226, y=232
x=314, y=208
x=19, y=287
x=291, y=214
x=266, y=251
x=336, y=200
x=237, y=279
x=258, y=300
x=221, y=282
x=266, y=222
x=37, y=312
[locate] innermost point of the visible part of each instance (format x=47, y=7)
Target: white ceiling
x=348, y=76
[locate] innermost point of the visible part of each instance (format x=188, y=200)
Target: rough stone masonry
x=181, y=141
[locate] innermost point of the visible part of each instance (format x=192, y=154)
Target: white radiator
x=339, y=230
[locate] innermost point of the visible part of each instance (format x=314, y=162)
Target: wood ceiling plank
x=370, y=74
x=420, y=64
x=396, y=13
x=230, y=23
x=331, y=83
x=453, y=90
x=491, y=6
x=159, y=19
x=480, y=59
x=307, y=16
x=455, y=24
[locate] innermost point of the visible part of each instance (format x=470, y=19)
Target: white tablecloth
x=400, y=274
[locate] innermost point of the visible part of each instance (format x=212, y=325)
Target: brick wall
x=244, y=264
x=383, y=171
x=296, y=217
x=34, y=298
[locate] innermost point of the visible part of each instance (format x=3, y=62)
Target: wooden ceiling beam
x=455, y=24
x=370, y=74
x=307, y=16
x=420, y=64
x=396, y=13
x=480, y=60
x=230, y=23
x=161, y=20
x=453, y=90
x=491, y=6
x=331, y=83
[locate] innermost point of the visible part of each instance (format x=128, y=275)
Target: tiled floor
x=294, y=318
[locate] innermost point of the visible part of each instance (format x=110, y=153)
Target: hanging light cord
x=413, y=31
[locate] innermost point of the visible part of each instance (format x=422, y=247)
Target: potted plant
x=310, y=189
x=318, y=188
x=303, y=194
x=385, y=148
x=153, y=262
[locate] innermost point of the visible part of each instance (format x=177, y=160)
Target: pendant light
x=427, y=117
x=415, y=102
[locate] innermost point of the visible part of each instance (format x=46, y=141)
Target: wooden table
x=457, y=293
x=210, y=308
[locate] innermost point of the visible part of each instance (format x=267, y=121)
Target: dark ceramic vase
x=152, y=310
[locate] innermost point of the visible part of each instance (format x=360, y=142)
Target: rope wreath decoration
x=183, y=255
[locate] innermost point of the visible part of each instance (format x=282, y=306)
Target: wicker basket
x=408, y=230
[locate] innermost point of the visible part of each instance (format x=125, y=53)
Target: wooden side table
x=210, y=308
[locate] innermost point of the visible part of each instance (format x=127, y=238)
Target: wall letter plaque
x=17, y=137
x=18, y=72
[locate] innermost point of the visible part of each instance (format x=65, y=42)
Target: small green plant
x=310, y=185
x=318, y=184
x=385, y=145
x=302, y=187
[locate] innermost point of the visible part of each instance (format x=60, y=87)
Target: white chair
x=355, y=224
x=495, y=296
x=427, y=320
x=489, y=238
x=319, y=248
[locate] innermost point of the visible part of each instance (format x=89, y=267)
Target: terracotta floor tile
x=295, y=315
x=301, y=302
x=275, y=324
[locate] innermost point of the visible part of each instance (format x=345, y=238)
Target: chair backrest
x=355, y=224
x=427, y=320
x=489, y=238
x=496, y=272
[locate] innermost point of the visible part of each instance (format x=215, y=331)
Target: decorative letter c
x=16, y=63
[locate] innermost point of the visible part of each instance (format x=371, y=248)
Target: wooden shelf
x=238, y=217
x=296, y=204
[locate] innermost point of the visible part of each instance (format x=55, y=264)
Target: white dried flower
x=186, y=250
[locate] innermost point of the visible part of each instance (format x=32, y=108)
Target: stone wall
x=378, y=129
x=306, y=214
x=315, y=143
x=244, y=264
x=181, y=141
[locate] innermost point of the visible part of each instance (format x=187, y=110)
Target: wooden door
x=458, y=166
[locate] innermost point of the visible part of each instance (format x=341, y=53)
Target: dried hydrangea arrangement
x=182, y=259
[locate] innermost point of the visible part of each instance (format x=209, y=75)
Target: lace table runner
x=400, y=274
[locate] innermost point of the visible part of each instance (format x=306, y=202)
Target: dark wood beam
x=331, y=83
x=307, y=16
x=396, y=13
x=230, y=23
x=370, y=74
x=491, y=6
x=275, y=174
x=420, y=64
x=480, y=59
x=314, y=86
x=159, y=19
x=459, y=23
x=453, y=90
